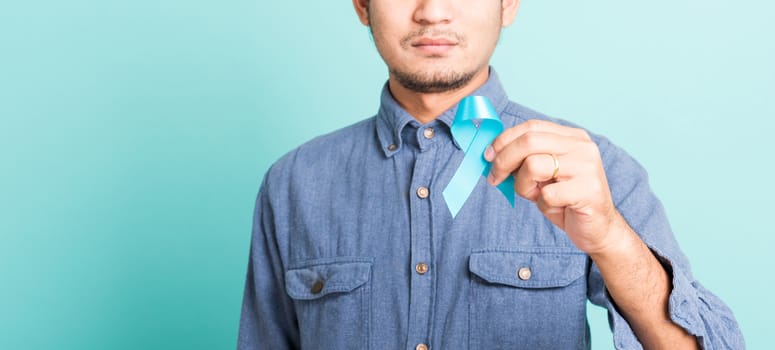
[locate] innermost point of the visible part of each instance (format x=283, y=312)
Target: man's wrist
x=620, y=240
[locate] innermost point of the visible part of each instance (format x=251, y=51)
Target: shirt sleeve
x=268, y=317
x=691, y=305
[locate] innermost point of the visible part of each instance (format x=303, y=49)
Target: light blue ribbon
x=475, y=126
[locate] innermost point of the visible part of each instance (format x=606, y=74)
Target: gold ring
x=556, y=166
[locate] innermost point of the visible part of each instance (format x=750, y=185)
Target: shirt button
x=421, y=346
x=421, y=268
x=392, y=147
x=428, y=133
x=524, y=273
x=317, y=287
x=423, y=192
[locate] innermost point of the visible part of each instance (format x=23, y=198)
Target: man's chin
x=437, y=81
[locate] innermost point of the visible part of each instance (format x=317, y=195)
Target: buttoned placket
x=421, y=293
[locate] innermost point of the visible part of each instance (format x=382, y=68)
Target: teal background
x=134, y=135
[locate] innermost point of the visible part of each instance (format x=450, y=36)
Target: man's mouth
x=433, y=46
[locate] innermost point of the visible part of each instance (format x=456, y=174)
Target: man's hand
x=577, y=199
x=560, y=170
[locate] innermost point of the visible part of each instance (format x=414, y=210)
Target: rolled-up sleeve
x=268, y=318
x=691, y=305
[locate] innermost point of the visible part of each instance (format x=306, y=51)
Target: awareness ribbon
x=475, y=126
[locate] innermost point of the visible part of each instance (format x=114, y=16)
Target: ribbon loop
x=475, y=126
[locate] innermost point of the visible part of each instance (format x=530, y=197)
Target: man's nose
x=433, y=12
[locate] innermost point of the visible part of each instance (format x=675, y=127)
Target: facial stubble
x=424, y=81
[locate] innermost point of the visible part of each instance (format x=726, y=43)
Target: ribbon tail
x=462, y=184
x=471, y=170
x=506, y=187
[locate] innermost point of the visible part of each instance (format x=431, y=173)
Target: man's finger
x=536, y=169
x=562, y=194
x=510, y=157
x=538, y=126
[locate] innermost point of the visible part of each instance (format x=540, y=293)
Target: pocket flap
x=319, y=278
x=534, y=268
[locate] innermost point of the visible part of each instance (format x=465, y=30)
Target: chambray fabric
x=339, y=228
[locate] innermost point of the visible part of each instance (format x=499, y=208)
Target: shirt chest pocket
x=528, y=299
x=332, y=299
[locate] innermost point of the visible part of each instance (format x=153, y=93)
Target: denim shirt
x=353, y=247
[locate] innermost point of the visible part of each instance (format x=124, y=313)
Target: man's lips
x=433, y=42
x=434, y=46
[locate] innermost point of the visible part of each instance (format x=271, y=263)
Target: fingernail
x=489, y=153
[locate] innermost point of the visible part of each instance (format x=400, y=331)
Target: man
x=354, y=245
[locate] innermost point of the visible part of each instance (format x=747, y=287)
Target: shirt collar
x=392, y=118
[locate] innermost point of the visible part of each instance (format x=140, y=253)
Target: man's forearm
x=640, y=287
